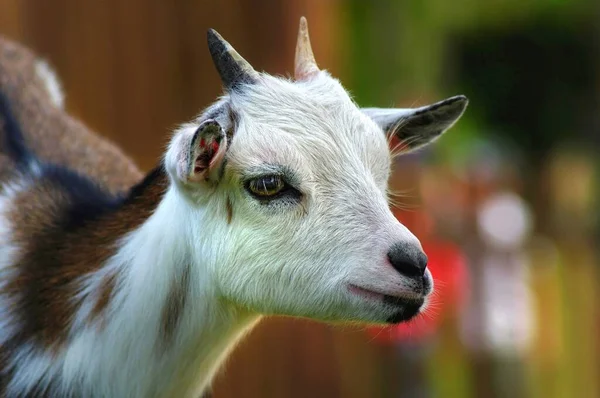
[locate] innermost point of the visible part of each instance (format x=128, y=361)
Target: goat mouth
x=405, y=308
x=369, y=294
x=387, y=298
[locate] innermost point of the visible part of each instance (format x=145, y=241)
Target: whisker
x=395, y=199
x=403, y=146
x=381, y=330
x=403, y=206
x=399, y=124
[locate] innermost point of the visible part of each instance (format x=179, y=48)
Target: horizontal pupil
x=267, y=184
x=270, y=183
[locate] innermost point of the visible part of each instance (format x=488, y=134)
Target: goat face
x=293, y=178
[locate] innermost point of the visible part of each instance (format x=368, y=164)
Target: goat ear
x=419, y=126
x=197, y=154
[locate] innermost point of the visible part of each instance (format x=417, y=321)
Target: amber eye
x=266, y=186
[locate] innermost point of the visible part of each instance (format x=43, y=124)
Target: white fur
x=122, y=358
x=51, y=82
x=8, y=253
x=297, y=259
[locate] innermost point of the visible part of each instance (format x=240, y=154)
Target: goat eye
x=266, y=186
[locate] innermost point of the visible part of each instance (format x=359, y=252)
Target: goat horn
x=233, y=69
x=305, y=64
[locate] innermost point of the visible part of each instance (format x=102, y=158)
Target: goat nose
x=408, y=259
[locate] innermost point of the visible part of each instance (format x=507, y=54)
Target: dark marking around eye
x=266, y=186
x=222, y=168
x=229, y=208
x=284, y=192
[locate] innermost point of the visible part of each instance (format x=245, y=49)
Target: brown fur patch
x=6, y=168
x=104, y=295
x=58, y=249
x=229, y=208
x=51, y=133
x=54, y=255
x=175, y=304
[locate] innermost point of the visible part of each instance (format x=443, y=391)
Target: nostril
x=407, y=259
x=422, y=260
x=407, y=268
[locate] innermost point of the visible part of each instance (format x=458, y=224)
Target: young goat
x=273, y=201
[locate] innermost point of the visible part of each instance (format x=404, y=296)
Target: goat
x=273, y=201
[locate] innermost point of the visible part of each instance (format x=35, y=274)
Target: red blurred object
x=451, y=280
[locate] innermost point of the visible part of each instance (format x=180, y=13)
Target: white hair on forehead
x=315, y=110
x=283, y=101
x=314, y=120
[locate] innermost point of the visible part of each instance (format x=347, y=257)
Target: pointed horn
x=233, y=69
x=305, y=64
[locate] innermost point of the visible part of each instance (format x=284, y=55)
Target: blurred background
x=506, y=205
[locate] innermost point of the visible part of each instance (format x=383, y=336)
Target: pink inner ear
x=209, y=153
x=218, y=152
x=211, y=149
x=397, y=145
